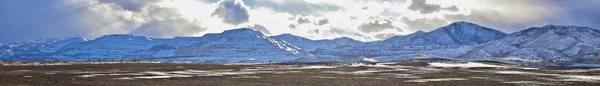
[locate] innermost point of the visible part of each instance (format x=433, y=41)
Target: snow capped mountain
x=551, y=43
x=25, y=47
x=59, y=45
x=239, y=45
x=463, y=33
x=458, y=33
x=406, y=39
x=465, y=40
x=449, y=41
x=312, y=45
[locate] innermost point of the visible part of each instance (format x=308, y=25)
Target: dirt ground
x=166, y=74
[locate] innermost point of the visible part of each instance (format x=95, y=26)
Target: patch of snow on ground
x=435, y=80
x=317, y=67
x=581, y=70
x=324, y=77
x=567, y=77
x=227, y=73
x=528, y=68
x=91, y=75
x=462, y=65
x=370, y=59
x=529, y=82
x=394, y=75
x=152, y=77
x=254, y=77
x=375, y=71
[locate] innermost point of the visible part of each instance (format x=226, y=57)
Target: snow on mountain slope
x=415, y=37
x=461, y=39
x=59, y=45
x=239, y=45
x=551, y=43
x=233, y=45
x=458, y=33
x=463, y=33
x=449, y=41
x=312, y=45
x=25, y=47
x=111, y=44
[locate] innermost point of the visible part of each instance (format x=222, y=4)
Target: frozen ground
x=380, y=74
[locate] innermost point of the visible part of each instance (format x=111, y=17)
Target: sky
x=364, y=20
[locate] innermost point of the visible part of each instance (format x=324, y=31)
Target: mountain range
x=460, y=40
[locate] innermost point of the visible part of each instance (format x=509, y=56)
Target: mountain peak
x=555, y=26
x=285, y=35
x=462, y=23
x=288, y=37
x=563, y=27
x=240, y=32
x=239, y=29
x=419, y=32
x=343, y=38
x=463, y=33
x=122, y=37
x=77, y=39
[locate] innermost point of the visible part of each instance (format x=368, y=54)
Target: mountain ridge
x=457, y=40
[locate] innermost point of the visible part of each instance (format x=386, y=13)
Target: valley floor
x=380, y=74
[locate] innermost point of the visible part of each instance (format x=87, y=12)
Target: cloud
x=261, y=28
x=131, y=5
x=311, y=20
x=384, y=36
x=423, y=7
x=232, y=11
x=168, y=28
x=294, y=7
x=94, y=19
x=303, y=20
x=97, y=18
x=425, y=24
x=378, y=24
x=323, y=22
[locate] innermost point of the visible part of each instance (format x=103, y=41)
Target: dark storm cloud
x=232, y=11
x=424, y=8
